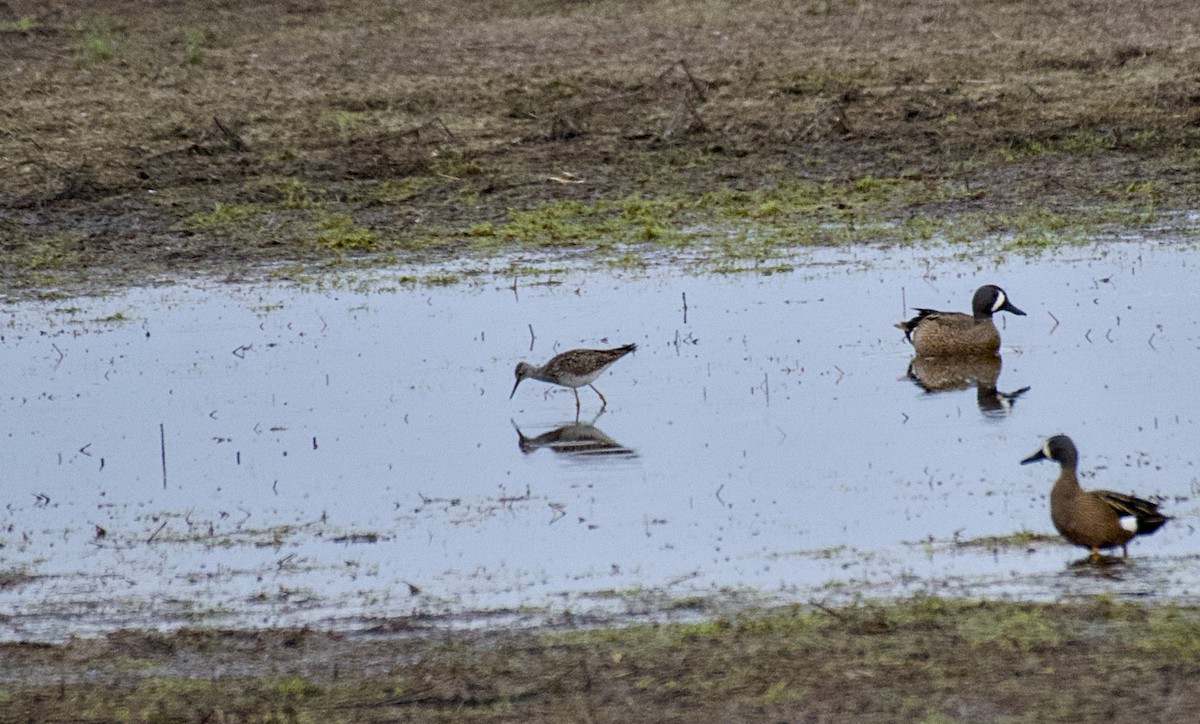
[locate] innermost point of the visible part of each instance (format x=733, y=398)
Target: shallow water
x=332, y=457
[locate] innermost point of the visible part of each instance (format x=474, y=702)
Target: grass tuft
x=194, y=40
x=100, y=41
x=338, y=231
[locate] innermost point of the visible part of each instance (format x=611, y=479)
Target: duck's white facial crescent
x=1046, y=449
x=1000, y=301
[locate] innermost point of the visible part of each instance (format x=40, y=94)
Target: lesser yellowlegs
x=573, y=368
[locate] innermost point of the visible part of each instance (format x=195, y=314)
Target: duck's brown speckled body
x=940, y=334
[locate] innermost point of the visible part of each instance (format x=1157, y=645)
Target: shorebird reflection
x=576, y=439
x=943, y=374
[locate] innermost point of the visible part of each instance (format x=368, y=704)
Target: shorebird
x=937, y=334
x=573, y=368
x=1093, y=518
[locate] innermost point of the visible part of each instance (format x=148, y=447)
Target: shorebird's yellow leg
x=603, y=402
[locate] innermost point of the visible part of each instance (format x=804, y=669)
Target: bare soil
x=142, y=141
x=225, y=138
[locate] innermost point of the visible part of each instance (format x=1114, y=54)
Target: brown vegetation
x=199, y=136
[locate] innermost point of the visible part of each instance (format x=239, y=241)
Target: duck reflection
x=576, y=439
x=1102, y=566
x=943, y=374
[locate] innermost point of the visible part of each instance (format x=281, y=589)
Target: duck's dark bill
x=1039, y=455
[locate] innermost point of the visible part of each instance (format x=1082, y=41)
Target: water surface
x=272, y=456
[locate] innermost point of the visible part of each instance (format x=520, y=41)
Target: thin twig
x=235, y=141
x=162, y=448
x=827, y=610
x=155, y=533
x=699, y=118
x=442, y=123
x=695, y=83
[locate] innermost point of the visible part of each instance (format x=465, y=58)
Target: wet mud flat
x=922, y=659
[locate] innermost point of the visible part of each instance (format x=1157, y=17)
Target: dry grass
x=421, y=120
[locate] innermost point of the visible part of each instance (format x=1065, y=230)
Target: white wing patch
x=1000, y=301
x=1128, y=522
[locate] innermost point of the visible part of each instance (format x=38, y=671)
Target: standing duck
x=939, y=334
x=1093, y=518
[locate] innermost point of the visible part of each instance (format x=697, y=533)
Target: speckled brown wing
x=582, y=362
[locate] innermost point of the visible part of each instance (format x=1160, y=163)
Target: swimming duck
x=937, y=334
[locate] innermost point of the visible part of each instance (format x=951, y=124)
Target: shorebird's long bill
x=510, y=395
x=1039, y=455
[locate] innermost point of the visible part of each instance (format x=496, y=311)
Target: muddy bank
x=924, y=659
